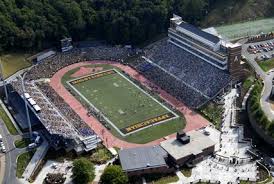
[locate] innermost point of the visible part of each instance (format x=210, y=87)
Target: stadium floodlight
x=26, y=105
x=4, y=82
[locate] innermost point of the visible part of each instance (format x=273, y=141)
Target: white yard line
x=110, y=122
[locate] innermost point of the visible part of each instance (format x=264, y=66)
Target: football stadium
x=87, y=95
x=123, y=106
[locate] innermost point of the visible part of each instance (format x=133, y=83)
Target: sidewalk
x=2, y=167
x=37, y=157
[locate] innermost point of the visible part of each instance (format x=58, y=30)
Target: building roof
x=198, y=142
x=210, y=37
x=142, y=158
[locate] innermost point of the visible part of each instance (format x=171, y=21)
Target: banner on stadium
x=93, y=76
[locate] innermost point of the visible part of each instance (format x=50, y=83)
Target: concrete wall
x=195, y=158
x=158, y=170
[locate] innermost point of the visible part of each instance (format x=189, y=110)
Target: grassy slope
x=146, y=135
x=13, y=62
x=213, y=113
x=266, y=65
x=22, y=143
x=22, y=162
x=7, y=122
x=187, y=172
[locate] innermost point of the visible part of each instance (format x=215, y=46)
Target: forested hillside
x=36, y=24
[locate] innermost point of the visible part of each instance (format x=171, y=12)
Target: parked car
x=3, y=149
x=32, y=145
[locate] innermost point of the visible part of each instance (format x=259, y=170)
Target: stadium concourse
x=193, y=120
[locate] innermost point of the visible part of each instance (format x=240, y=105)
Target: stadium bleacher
x=182, y=74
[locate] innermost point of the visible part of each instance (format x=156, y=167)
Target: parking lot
x=259, y=51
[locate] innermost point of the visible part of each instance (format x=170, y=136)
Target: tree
x=113, y=174
x=271, y=129
x=83, y=171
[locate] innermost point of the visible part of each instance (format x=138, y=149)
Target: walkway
x=10, y=156
x=37, y=157
x=222, y=167
x=193, y=119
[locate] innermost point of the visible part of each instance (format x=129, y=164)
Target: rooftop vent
x=182, y=137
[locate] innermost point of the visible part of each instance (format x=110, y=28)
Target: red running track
x=193, y=120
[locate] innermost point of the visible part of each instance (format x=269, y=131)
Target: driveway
x=10, y=156
x=267, y=78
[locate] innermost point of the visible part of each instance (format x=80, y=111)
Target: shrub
x=113, y=174
x=101, y=156
x=53, y=178
x=83, y=171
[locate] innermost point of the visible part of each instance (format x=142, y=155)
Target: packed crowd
x=50, y=116
x=64, y=108
x=172, y=85
x=56, y=115
x=192, y=80
x=48, y=67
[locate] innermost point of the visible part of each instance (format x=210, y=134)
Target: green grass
x=263, y=175
x=134, y=104
x=14, y=62
x=213, y=113
x=8, y=122
x=22, y=162
x=186, y=172
x=161, y=179
x=124, y=104
x=266, y=65
x=248, y=82
x=239, y=30
x=100, y=156
x=22, y=143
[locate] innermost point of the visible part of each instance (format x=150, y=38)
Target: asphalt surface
x=10, y=156
x=267, y=78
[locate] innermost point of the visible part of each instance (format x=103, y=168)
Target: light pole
x=26, y=105
x=4, y=82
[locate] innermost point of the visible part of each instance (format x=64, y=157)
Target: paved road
x=10, y=156
x=251, y=60
x=265, y=95
x=267, y=78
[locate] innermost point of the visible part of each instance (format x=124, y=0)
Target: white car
x=3, y=149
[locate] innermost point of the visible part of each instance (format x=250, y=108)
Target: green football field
x=239, y=30
x=131, y=113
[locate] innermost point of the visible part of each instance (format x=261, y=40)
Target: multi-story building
x=209, y=47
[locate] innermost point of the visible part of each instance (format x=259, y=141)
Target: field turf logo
x=93, y=76
x=148, y=122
